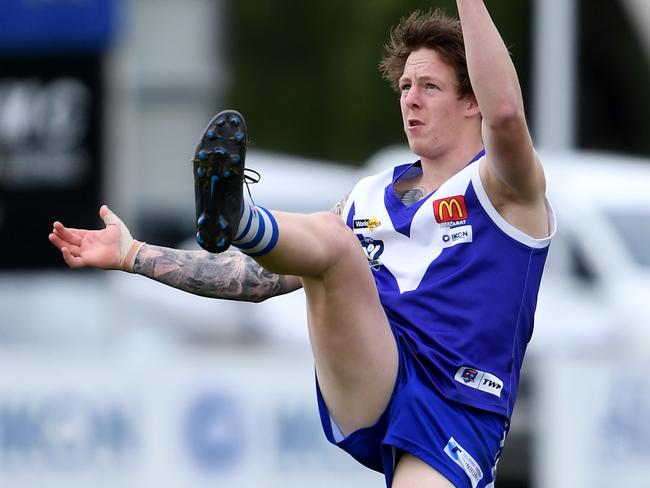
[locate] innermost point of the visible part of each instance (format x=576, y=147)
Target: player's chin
x=418, y=146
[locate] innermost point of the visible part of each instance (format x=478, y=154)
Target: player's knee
x=340, y=239
x=336, y=242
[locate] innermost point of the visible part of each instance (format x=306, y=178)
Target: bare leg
x=354, y=349
x=412, y=472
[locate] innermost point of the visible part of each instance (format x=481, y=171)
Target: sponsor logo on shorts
x=463, y=459
x=480, y=380
x=457, y=235
x=450, y=209
x=372, y=223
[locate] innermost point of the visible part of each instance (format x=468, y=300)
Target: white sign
x=594, y=423
x=247, y=418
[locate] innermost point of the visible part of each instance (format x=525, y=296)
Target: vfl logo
x=450, y=209
x=469, y=375
x=373, y=249
x=479, y=380
x=371, y=223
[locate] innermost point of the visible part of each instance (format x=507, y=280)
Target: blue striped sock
x=258, y=231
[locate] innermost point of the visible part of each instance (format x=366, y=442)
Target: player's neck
x=437, y=170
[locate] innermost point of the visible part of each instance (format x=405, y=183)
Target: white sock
x=258, y=231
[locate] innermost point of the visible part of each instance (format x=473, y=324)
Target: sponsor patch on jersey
x=373, y=248
x=480, y=380
x=372, y=223
x=450, y=209
x=456, y=235
x=463, y=459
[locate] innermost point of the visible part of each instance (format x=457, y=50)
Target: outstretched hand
x=108, y=248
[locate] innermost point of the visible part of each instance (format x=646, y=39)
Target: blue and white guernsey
x=456, y=280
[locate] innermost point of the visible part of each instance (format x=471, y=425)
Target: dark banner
x=50, y=152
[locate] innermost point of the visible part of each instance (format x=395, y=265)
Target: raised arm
x=513, y=169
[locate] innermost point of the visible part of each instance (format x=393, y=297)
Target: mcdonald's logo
x=450, y=209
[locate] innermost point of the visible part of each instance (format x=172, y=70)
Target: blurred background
x=114, y=380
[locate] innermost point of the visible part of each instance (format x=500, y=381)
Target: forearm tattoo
x=408, y=197
x=229, y=275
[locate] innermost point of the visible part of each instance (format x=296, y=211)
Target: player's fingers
x=68, y=234
x=72, y=260
x=59, y=225
x=56, y=240
x=61, y=244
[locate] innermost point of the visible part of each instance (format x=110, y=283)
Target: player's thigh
x=354, y=348
x=412, y=472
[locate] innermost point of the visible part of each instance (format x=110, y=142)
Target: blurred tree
x=614, y=101
x=305, y=74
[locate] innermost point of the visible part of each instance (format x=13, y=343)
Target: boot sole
x=219, y=161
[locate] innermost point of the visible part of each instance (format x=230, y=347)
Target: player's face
x=431, y=107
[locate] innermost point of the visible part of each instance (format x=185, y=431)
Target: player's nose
x=412, y=97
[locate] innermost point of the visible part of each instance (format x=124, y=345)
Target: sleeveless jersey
x=458, y=282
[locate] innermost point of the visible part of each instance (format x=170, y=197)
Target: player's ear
x=471, y=106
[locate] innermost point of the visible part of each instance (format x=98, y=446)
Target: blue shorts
x=462, y=443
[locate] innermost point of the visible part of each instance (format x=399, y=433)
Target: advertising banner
x=50, y=152
x=51, y=104
x=243, y=419
x=57, y=25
